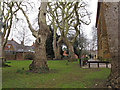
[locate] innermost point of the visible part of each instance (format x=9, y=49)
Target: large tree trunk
x=2, y=52
x=111, y=11
x=0, y=49
x=56, y=48
x=71, y=52
x=39, y=63
x=70, y=49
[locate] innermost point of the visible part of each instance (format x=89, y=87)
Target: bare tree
x=66, y=18
x=94, y=38
x=39, y=63
x=80, y=45
x=22, y=35
x=8, y=11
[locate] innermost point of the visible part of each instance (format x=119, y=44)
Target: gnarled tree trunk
x=111, y=12
x=71, y=52
x=2, y=52
x=0, y=49
x=56, y=49
x=39, y=63
x=70, y=49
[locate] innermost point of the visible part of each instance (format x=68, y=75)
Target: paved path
x=94, y=65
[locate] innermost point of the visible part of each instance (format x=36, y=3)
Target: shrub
x=85, y=58
x=29, y=56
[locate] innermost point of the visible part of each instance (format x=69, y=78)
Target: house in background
x=14, y=51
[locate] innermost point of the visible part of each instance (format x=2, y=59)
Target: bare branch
x=9, y=28
x=34, y=33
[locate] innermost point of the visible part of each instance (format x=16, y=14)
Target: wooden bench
x=106, y=62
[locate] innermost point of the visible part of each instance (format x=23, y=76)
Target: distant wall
x=19, y=56
x=102, y=37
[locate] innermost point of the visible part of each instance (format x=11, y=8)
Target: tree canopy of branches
x=94, y=38
x=66, y=18
x=39, y=63
x=8, y=12
x=49, y=46
x=79, y=45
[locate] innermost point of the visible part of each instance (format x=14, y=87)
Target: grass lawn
x=60, y=76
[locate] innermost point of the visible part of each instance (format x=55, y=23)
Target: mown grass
x=60, y=76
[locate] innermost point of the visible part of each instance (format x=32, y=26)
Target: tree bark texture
x=111, y=12
x=39, y=63
x=70, y=49
x=56, y=49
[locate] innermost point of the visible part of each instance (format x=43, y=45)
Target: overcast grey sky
x=93, y=10
x=33, y=17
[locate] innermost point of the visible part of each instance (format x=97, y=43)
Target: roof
x=26, y=49
x=19, y=47
x=14, y=44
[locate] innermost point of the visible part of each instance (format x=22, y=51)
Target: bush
x=100, y=58
x=85, y=58
x=29, y=56
x=108, y=59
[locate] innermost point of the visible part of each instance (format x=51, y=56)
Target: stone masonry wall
x=103, y=48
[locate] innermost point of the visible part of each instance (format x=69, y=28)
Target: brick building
x=14, y=51
x=102, y=38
